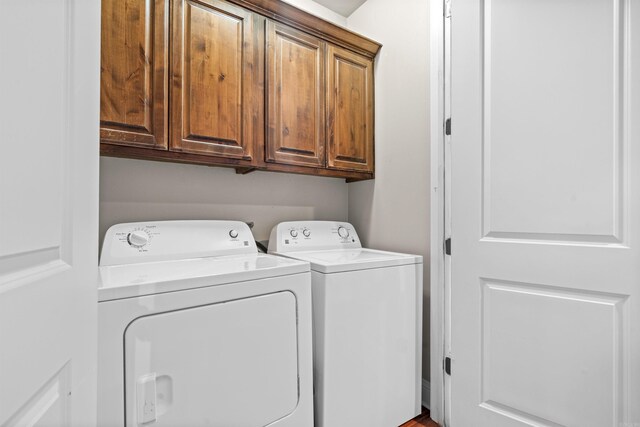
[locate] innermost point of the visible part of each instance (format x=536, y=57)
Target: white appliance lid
x=337, y=261
x=138, y=279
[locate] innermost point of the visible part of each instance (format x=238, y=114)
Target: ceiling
x=343, y=7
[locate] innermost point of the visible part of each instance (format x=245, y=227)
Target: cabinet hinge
x=447, y=365
x=447, y=246
x=447, y=126
x=447, y=9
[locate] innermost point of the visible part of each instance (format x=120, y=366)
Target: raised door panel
x=295, y=114
x=350, y=110
x=217, y=88
x=134, y=78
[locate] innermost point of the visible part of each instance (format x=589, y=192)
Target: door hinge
x=447, y=9
x=447, y=365
x=447, y=246
x=447, y=126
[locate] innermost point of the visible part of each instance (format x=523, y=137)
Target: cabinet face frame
x=248, y=124
x=283, y=124
x=151, y=76
x=342, y=101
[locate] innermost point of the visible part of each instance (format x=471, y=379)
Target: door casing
x=438, y=209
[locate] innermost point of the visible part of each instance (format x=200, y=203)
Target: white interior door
x=545, y=162
x=49, y=89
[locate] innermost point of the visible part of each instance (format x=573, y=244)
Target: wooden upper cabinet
x=250, y=84
x=349, y=110
x=217, y=88
x=295, y=106
x=134, y=77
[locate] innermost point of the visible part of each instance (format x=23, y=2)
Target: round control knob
x=293, y=233
x=306, y=232
x=343, y=232
x=233, y=234
x=137, y=238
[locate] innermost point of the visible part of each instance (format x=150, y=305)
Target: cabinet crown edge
x=292, y=16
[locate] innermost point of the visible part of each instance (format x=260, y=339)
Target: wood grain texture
x=350, y=115
x=295, y=106
x=422, y=420
x=217, y=79
x=134, y=76
x=350, y=176
x=241, y=166
x=285, y=13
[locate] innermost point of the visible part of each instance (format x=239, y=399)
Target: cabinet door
x=350, y=110
x=217, y=94
x=134, y=78
x=295, y=113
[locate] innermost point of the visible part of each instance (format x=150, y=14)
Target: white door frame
x=438, y=205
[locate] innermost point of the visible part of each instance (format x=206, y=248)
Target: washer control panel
x=313, y=235
x=172, y=240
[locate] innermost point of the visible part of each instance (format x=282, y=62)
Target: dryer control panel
x=296, y=236
x=173, y=240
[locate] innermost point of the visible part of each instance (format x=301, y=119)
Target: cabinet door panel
x=217, y=91
x=350, y=110
x=134, y=78
x=296, y=113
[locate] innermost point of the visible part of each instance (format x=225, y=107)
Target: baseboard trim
x=426, y=394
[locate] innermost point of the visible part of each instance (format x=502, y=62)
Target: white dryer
x=198, y=329
x=367, y=321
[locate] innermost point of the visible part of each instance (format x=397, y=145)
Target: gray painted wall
x=317, y=9
x=392, y=211
x=139, y=190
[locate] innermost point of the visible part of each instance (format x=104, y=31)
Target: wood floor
x=422, y=420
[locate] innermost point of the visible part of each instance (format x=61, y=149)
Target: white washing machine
x=198, y=329
x=367, y=322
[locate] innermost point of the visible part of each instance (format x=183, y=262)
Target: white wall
x=319, y=10
x=139, y=190
x=392, y=211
